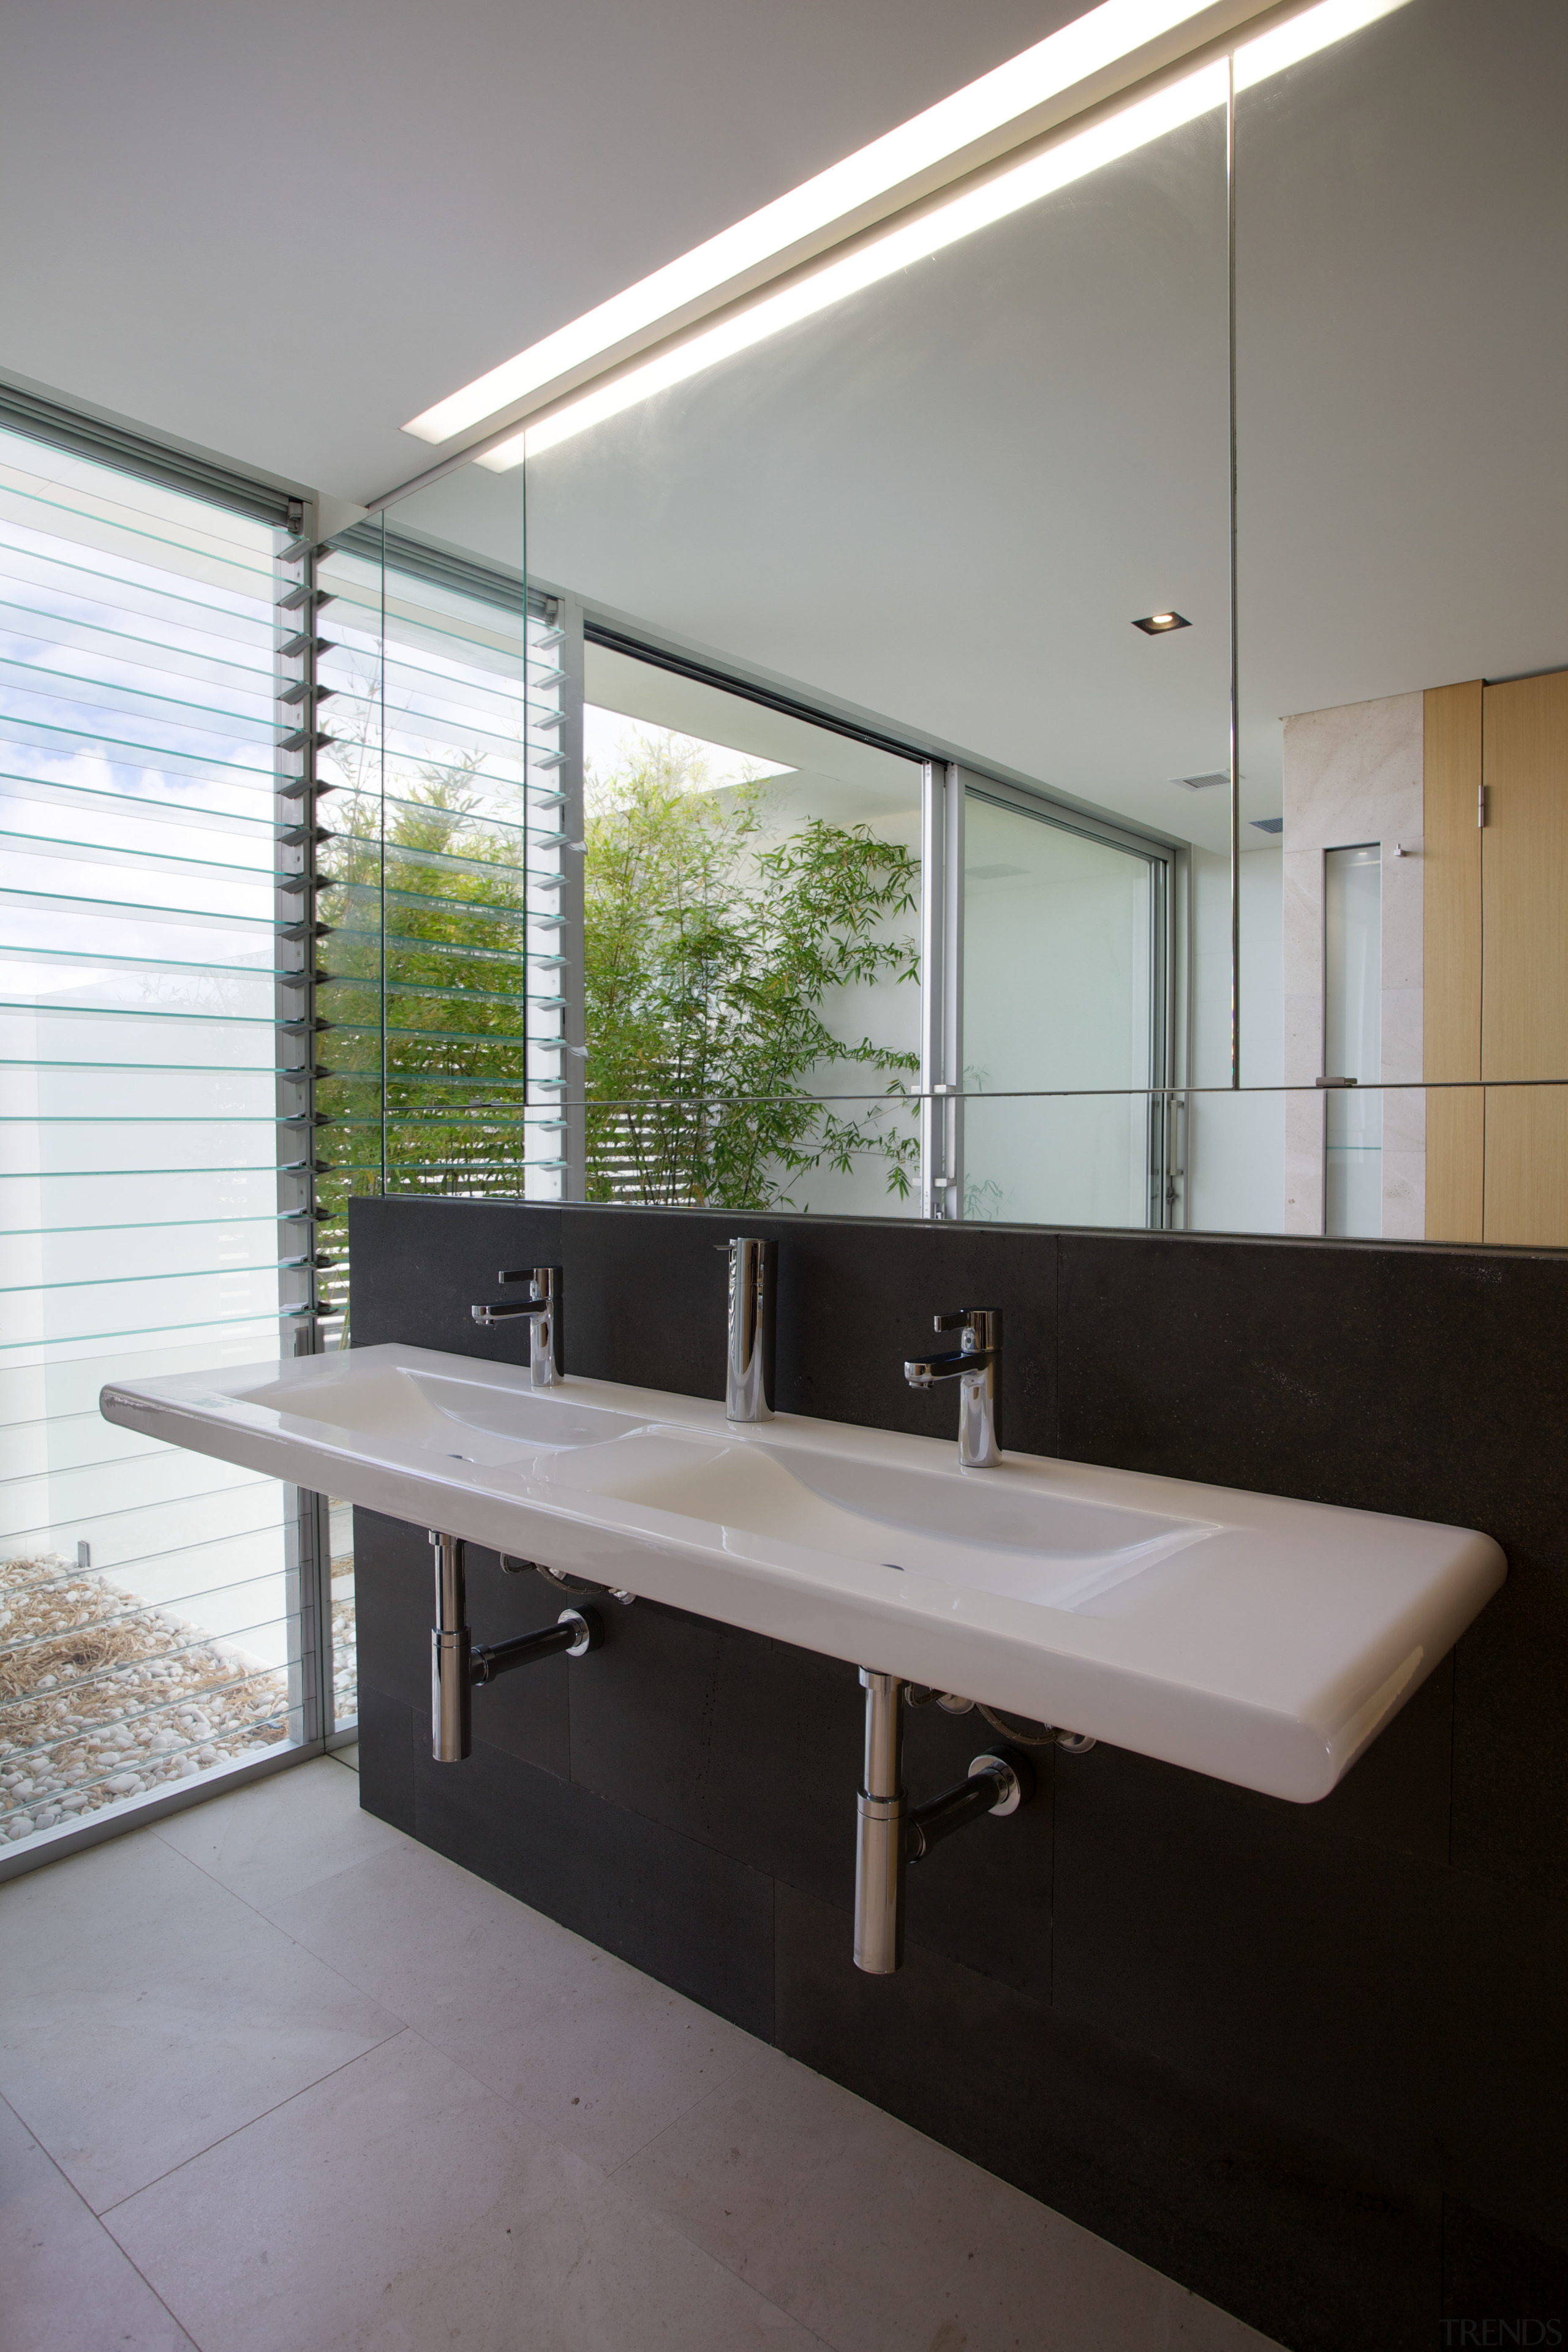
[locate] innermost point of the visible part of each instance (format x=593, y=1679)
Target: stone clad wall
x=1309, y=2059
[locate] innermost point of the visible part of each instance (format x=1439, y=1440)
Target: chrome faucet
x=541, y=1307
x=975, y=1364
x=749, y=1356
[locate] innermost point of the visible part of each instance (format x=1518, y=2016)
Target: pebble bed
x=345, y=1662
x=106, y=1700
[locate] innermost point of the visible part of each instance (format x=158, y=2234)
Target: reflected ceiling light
x=1160, y=624
x=916, y=239
x=1086, y=47
x=1303, y=35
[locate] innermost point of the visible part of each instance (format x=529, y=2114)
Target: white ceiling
x=278, y=230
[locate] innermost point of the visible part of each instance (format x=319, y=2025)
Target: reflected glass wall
x=1063, y=988
x=975, y=519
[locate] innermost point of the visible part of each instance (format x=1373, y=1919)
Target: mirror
x=1401, y=200
x=882, y=668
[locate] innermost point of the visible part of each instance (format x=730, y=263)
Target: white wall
x=1235, y=1144
x=1355, y=774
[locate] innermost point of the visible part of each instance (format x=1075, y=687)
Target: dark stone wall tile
x=1511, y=1727
x=395, y=1608
x=983, y=1897
x=1399, y=1793
x=1428, y=1382
x=526, y=1711
x=416, y=1267
x=746, y=1744
x=1229, y=1937
x=695, y=1919
x=1493, y=2272
x=855, y=1299
x=386, y=1758
x=1413, y=2011
x=1299, y=2235
x=755, y=1747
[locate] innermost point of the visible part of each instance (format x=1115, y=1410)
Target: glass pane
x=152, y=1599
x=1061, y=991
x=752, y=946
x=1353, y=1040
x=1401, y=511
x=972, y=516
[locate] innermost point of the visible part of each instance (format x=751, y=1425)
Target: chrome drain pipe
x=451, y=1679
x=457, y=1667
x=882, y=1851
x=893, y=1833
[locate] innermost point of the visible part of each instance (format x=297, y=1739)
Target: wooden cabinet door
x=1452, y=723
x=1524, y=959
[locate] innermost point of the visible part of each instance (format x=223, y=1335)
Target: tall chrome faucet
x=541, y=1307
x=749, y=1358
x=976, y=1365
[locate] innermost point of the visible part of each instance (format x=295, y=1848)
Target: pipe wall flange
x=1009, y=1784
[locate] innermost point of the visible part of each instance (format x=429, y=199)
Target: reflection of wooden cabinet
x=1496, y=952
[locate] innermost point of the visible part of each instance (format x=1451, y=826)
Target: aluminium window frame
x=946, y=780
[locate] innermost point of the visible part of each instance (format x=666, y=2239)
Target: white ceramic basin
x=1260, y=1640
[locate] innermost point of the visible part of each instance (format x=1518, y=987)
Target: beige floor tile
x=878, y=2240
x=348, y=1755
x=401, y=2206
x=599, y=2054
x=281, y=1835
x=145, y=2012
x=65, y=2286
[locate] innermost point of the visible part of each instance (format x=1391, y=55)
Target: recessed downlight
x=1160, y=624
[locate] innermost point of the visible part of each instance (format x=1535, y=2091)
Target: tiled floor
x=279, y=2080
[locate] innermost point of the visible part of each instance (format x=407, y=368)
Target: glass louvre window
x=448, y=884
x=154, y=1605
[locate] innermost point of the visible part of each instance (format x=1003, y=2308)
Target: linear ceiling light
x=1086, y=47
x=1303, y=35
x=993, y=200
x=917, y=240
x=1006, y=192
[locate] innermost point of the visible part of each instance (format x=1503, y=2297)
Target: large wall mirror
x=989, y=729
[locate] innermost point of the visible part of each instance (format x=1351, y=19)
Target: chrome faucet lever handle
x=540, y=1279
x=975, y=1364
x=542, y=1310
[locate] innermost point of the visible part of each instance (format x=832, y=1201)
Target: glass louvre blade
x=251, y=822
x=251, y=716
x=104, y=1335
x=255, y=880
x=33, y=623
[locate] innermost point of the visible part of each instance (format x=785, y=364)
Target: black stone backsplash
x=1311, y=2061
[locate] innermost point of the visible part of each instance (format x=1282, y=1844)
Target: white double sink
x=1260, y=1640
